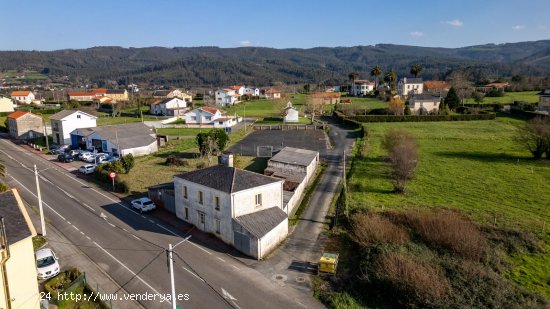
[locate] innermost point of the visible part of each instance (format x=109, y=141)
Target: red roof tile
x=17, y=114
x=20, y=93
x=211, y=110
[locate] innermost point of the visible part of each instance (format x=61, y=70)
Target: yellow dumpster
x=328, y=263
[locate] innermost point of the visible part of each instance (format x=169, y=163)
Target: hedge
x=527, y=114
x=421, y=118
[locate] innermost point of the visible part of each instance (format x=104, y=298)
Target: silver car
x=47, y=263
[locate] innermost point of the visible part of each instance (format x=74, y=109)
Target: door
x=202, y=221
x=241, y=242
x=59, y=141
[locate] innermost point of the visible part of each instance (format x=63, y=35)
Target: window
x=200, y=197
x=78, y=116
x=217, y=202
x=208, y=118
x=220, y=122
x=217, y=226
x=186, y=213
x=194, y=117
x=258, y=199
x=185, y=192
x=201, y=217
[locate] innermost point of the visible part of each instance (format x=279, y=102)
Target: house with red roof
x=23, y=97
x=271, y=94
x=207, y=116
x=227, y=96
x=25, y=125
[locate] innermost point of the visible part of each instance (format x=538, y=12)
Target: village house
x=361, y=87
x=297, y=167
x=169, y=107
x=424, y=103
x=23, y=97
x=174, y=93
x=25, y=125
x=19, y=283
x=242, y=208
x=117, y=140
x=251, y=91
x=210, y=117
x=81, y=96
x=544, y=101
x=227, y=96
x=327, y=97
x=6, y=105
x=407, y=86
x=98, y=100
x=290, y=113
x=272, y=94
x=119, y=95
x=66, y=121
x=436, y=87
x=240, y=90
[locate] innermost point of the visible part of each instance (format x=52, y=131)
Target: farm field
x=474, y=166
x=510, y=97
x=369, y=103
x=182, y=131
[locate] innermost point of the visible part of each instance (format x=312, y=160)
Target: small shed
x=290, y=113
x=163, y=196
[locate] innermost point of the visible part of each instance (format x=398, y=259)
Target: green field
x=182, y=131
x=474, y=166
x=510, y=97
x=104, y=120
x=278, y=120
x=26, y=75
x=369, y=103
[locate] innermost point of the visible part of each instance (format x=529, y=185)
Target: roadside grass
x=295, y=217
x=182, y=131
x=3, y=124
x=104, y=120
x=278, y=120
x=38, y=241
x=510, y=97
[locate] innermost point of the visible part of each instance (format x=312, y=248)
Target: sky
x=60, y=24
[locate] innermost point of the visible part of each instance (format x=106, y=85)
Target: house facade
x=361, y=87
x=272, y=94
x=407, y=86
x=175, y=93
x=66, y=121
x=25, y=125
x=23, y=97
x=226, y=97
x=169, y=107
x=118, y=140
x=544, y=100
x=290, y=113
x=19, y=270
x=210, y=117
x=242, y=208
x=436, y=87
x=424, y=104
x=6, y=105
x=119, y=95
x=251, y=91
x=81, y=96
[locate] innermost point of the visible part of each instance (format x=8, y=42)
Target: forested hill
x=203, y=66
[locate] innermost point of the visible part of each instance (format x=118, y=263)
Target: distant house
x=424, y=103
x=25, y=125
x=251, y=91
x=209, y=116
x=407, y=86
x=436, y=87
x=18, y=271
x=497, y=85
x=6, y=105
x=23, y=97
x=122, y=139
x=327, y=97
x=242, y=208
x=98, y=100
x=361, y=87
x=169, y=107
x=66, y=121
x=272, y=94
x=290, y=113
x=544, y=100
x=240, y=90
x=81, y=96
x=227, y=96
x=120, y=95
x=174, y=93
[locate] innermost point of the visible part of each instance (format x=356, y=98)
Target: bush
x=173, y=160
x=128, y=162
x=373, y=229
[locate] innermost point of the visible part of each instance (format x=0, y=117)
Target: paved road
x=295, y=262
x=130, y=247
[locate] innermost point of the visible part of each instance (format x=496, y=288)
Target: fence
x=80, y=285
x=290, y=127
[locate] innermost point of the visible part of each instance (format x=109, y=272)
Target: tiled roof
x=261, y=222
x=411, y=80
x=435, y=84
x=497, y=85
x=20, y=93
x=211, y=110
x=67, y=112
x=425, y=97
x=17, y=114
x=271, y=91
x=17, y=227
x=99, y=90
x=80, y=94
x=227, y=179
x=295, y=156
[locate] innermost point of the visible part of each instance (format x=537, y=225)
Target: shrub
x=128, y=162
x=173, y=160
x=535, y=136
x=201, y=164
x=373, y=229
x=122, y=187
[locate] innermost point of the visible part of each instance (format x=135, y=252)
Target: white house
x=297, y=167
x=25, y=97
x=242, y=208
x=251, y=91
x=175, y=93
x=544, y=101
x=122, y=139
x=361, y=87
x=210, y=117
x=169, y=107
x=290, y=113
x=406, y=86
x=66, y=121
x=271, y=94
x=240, y=90
x=424, y=103
x=6, y=105
x=227, y=96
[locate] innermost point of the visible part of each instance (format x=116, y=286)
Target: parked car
x=143, y=204
x=87, y=169
x=84, y=155
x=65, y=157
x=58, y=149
x=73, y=153
x=47, y=263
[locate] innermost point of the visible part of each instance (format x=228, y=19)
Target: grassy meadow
x=510, y=97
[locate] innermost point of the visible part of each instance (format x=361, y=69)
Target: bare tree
x=210, y=148
x=535, y=136
x=279, y=106
x=396, y=106
x=403, y=157
x=315, y=105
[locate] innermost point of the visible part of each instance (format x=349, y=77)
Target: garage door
x=242, y=242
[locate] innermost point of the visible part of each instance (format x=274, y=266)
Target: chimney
x=226, y=158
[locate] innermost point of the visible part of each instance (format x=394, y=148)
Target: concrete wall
x=6, y=105
x=26, y=127
x=138, y=151
x=69, y=124
x=272, y=239
x=244, y=201
x=544, y=103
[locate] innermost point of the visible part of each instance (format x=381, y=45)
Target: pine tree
x=452, y=100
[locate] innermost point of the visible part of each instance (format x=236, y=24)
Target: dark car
x=73, y=153
x=65, y=157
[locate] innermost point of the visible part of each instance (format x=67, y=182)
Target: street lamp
x=41, y=209
x=171, y=269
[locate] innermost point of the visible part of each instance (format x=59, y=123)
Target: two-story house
x=424, y=103
x=227, y=96
x=407, y=86
x=544, y=100
x=169, y=107
x=25, y=125
x=18, y=284
x=361, y=87
x=242, y=208
x=23, y=97
x=252, y=91
x=66, y=121
x=272, y=94
x=210, y=116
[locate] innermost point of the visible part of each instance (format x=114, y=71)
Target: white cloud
x=245, y=43
x=519, y=27
x=416, y=34
x=455, y=22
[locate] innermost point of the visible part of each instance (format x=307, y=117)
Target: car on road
x=65, y=158
x=87, y=169
x=47, y=263
x=143, y=204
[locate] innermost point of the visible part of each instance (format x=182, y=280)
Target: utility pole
x=46, y=135
x=171, y=269
x=42, y=222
